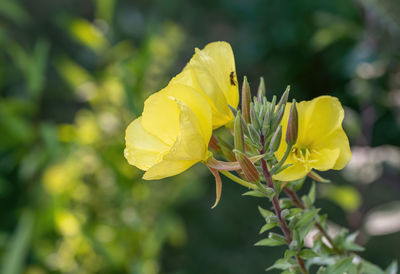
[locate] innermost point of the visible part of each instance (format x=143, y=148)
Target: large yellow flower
x=172, y=134
x=212, y=72
x=321, y=144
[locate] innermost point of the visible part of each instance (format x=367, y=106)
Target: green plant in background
x=276, y=146
x=80, y=208
x=74, y=73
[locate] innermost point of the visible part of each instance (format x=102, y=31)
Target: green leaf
x=343, y=266
x=265, y=213
x=268, y=226
x=307, y=217
x=296, y=185
x=293, y=212
x=281, y=264
x=290, y=253
x=285, y=203
x=272, y=240
x=392, y=269
x=277, y=237
x=254, y=193
x=311, y=194
x=269, y=242
x=307, y=254
x=349, y=243
x=369, y=268
x=15, y=255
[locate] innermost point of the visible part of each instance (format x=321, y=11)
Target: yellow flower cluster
x=175, y=128
x=176, y=125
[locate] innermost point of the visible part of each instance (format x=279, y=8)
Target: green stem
x=282, y=161
x=238, y=180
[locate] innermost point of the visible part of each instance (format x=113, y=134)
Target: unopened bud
x=276, y=139
x=238, y=133
x=284, y=97
x=254, y=134
x=261, y=90
x=278, y=116
x=246, y=99
x=253, y=116
x=293, y=125
x=248, y=168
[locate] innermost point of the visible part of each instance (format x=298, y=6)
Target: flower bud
x=284, y=98
x=254, y=135
x=238, y=133
x=293, y=124
x=246, y=99
x=261, y=90
x=276, y=139
x=248, y=168
x=253, y=116
x=278, y=116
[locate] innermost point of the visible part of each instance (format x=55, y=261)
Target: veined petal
x=214, y=98
x=142, y=148
x=324, y=159
x=189, y=148
x=321, y=116
x=161, y=117
x=224, y=72
x=339, y=140
x=212, y=71
x=167, y=168
x=197, y=103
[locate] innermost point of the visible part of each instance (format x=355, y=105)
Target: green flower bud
x=284, y=98
x=246, y=99
x=254, y=134
x=293, y=125
x=248, y=168
x=253, y=116
x=276, y=139
x=238, y=133
x=261, y=90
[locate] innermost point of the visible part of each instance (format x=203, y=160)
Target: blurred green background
x=73, y=74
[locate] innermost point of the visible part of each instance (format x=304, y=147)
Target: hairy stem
x=277, y=208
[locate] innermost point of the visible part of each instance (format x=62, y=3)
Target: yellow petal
x=197, y=103
x=294, y=172
x=324, y=159
x=167, y=168
x=339, y=140
x=142, y=148
x=212, y=71
x=320, y=117
x=189, y=148
x=161, y=117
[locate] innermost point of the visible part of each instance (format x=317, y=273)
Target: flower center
x=303, y=155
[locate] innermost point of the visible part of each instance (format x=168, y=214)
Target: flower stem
x=277, y=209
x=296, y=200
x=238, y=180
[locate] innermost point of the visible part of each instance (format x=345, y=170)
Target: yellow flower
x=212, y=72
x=321, y=144
x=172, y=134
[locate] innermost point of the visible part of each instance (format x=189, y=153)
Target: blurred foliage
x=73, y=74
